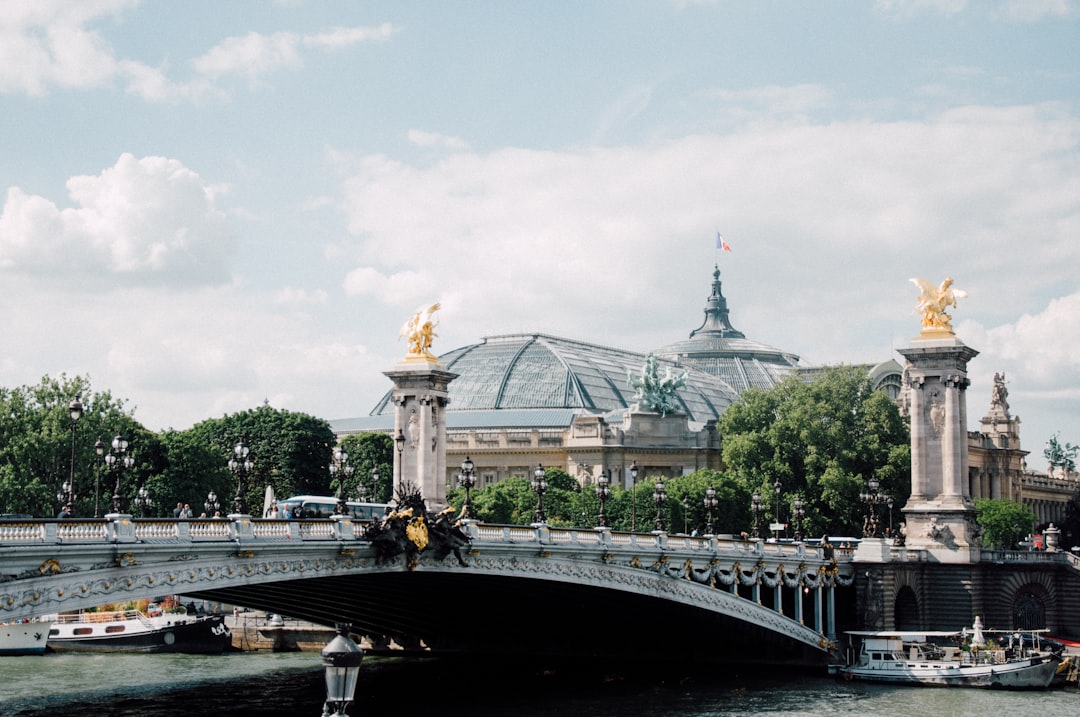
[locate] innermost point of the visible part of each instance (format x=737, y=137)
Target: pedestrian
x=65, y=512
x=177, y=511
x=187, y=513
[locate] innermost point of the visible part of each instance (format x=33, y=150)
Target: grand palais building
x=526, y=399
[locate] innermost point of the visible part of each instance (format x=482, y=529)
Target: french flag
x=721, y=244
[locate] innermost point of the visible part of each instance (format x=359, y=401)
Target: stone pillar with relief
x=420, y=398
x=940, y=514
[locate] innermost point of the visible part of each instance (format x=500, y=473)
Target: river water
x=289, y=684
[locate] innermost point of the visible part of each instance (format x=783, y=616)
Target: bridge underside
x=489, y=614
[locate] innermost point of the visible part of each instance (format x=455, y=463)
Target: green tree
x=1004, y=522
x=193, y=469
x=289, y=451
x=368, y=452
x=1060, y=456
x=37, y=442
x=820, y=440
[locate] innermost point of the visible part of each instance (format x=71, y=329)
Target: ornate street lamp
x=777, y=486
x=756, y=507
x=467, y=479
x=539, y=484
x=143, y=501
x=659, y=497
x=872, y=497
x=399, y=442
x=374, y=486
x=633, y=496
x=890, y=515
x=340, y=469
x=240, y=465
x=66, y=496
x=117, y=461
x=710, y=505
x=99, y=449
x=212, y=505
x=603, y=490
x=341, y=660
x=797, y=515
x=685, y=514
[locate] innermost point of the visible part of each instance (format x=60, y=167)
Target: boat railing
x=101, y=616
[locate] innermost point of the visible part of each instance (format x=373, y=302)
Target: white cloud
x=345, y=36
x=429, y=140
x=142, y=220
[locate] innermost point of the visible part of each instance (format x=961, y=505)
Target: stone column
x=420, y=399
x=940, y=515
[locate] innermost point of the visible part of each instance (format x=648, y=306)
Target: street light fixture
x=603, y=490
x=710, y=505
x=467, y=479
x=240, y=465
x=633, y=496
x=659, y=496
x=340, y=469
x=399, y=442
x=143, y=501
x=99, y=449
x=374, y=485
x=778, y=524
x=341, y=661
x=117, y=461
x=797, y=515
x=212, y=505
x=756, y=507
x=872, y=497
x=539, y=484
x=686, y=514
x=66, y=496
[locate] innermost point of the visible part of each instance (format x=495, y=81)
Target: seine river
x=291, y=684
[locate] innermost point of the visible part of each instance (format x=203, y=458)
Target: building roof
x=530, y=372
x=719, y=349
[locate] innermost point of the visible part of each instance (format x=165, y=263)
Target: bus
x=319, y=506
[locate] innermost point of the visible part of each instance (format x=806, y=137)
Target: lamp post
x=659, y=497
x=872, y=497
x=890, y=502
x=710, y=505
x=539, y=484
x=399, y=442
x=777, y=525
x=240, y=465
x=603, y=490
x=99, y=449
x=341, y=660
x=633, y=496
x=212, y=506
x=756, y=507
x=143, y=501
x=467, y=479
x=66, y=496
x=374, y=485
x=686, y=514
x=340, y=469
x=117, y=461
x=797, y=515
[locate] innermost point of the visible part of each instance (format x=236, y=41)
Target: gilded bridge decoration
x=420, y=330
x=933, y=303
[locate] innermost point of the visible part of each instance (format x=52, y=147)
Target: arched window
x=1029, y=610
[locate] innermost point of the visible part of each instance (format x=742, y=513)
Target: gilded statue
x=420, y=330
x=933, y=303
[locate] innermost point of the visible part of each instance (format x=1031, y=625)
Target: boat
x=26, y=637
x=923, y=658
x=135, y=631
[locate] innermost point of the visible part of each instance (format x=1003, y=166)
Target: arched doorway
x=1029, y=608
x=906, y=610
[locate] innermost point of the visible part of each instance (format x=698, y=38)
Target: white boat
x=921, y=658
x=28, y=637
x=134, y=631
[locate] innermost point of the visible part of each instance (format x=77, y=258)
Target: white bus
x=319, y=506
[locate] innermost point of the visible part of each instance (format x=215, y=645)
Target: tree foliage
x=1004, y=522
x=368, y=452
x=821, y=441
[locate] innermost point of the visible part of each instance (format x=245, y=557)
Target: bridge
x=517, y=589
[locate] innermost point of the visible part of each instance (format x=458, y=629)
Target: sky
x=210, y=206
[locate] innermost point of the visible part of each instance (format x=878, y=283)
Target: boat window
x=54, y=631
x=83, y=631
x=114, y=628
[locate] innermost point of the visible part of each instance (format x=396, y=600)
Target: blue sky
x=207, y=205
